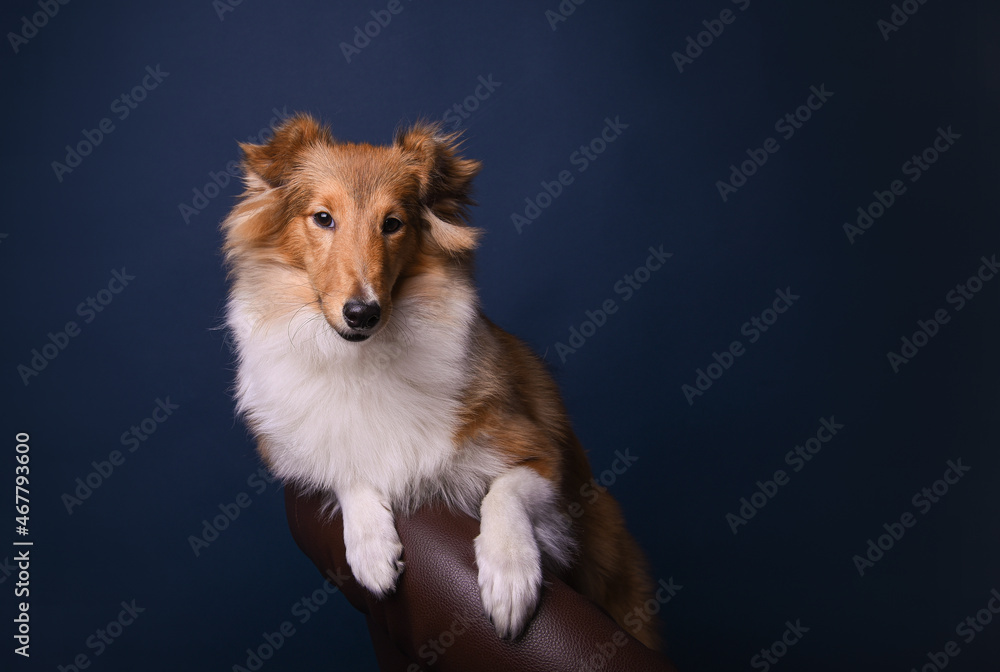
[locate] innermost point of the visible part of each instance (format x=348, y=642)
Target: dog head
x=356, y=220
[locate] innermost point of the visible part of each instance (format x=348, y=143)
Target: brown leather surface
x=434, y=620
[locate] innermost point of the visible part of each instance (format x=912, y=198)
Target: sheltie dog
x=366, y=369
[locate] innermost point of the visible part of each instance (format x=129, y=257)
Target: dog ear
x=272, y=163
x=445, y=184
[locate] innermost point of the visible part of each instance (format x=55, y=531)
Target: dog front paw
x=510, y=578
x=374, y=551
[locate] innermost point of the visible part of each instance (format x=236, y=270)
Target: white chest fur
x=374, y=422
x=381, y=413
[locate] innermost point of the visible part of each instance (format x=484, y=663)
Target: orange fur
x=512, y=404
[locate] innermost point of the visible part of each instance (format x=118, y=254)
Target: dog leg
x=507, y=552
x=373, y=546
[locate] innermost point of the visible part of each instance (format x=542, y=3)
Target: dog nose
x=361, y=315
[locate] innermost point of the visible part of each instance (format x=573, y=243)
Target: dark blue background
x=655, y=185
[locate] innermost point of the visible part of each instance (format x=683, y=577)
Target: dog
x=366, y=369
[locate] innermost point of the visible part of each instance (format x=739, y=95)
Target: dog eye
x=391, y=225
x=323, y=219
